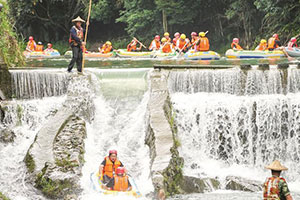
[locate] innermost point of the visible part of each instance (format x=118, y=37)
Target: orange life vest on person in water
x=121, y=183
x=236, y=46
x=262, y=47
x=31, y=45
x=155, y=45
x=132, y=46
x=167, y=48
x=272, y=43
x=106, y=49
x=181, y=44
x=271, y=188
x=110, y=167
x=203, y=45
x=39, y=48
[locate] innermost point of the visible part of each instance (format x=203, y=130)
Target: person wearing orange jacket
x=31, y=45
x=155, y=44
x=106, y=48
x=262, y=45
x=203, y=44
x=39, y=47
x=108, y=167
x=166, y=46
x=182, y=43
x=167, y=36
x=235, y=44
x=132, y=46
x=274, y=42
x=120, y=182
x=194, y=40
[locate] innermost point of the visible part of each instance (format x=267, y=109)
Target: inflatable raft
x=160, y=54
x=293, y=52
x=98, y=186
x=123, y=53
x=235, y=54
x=41, y=54
x=201, y=55
x=93, y=54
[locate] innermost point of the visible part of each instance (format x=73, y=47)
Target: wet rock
x=199, y=185
x=239, y=183
x=57, y=172
x=5, y=83
x=7, y=135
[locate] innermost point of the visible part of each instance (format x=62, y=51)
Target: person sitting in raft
x=166, y=45
x=155, y=44
x=182, y=44
x=274, y=43
x=39, y=47
x=106, y=48
x=176, y=38
x=262, y=45
x=235, y=44
x=132, y=46
x=120, y=182
x=49, y=48
x=31, y=45
x=193, y=45
x=203, y=43
x=167, y=36
x=292, y=43
x=108, y=167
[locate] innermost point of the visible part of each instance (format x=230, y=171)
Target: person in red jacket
x=108, y=167
x=235, y=44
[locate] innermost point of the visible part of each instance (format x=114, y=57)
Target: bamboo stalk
x=86, y=33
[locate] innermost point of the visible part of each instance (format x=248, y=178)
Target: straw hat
x=78, y=19
x=276, y=166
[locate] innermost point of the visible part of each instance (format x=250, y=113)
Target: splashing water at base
x=119, y=124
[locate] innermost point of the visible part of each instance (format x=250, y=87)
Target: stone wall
x=5, y=83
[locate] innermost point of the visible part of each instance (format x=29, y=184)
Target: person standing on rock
x=275, y=187
x=109, y=166
x=77, y=44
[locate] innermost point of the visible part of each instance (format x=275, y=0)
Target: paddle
x=155, y=54
x=140, y=42
x=86, y=33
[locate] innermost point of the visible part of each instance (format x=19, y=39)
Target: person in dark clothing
x=77, y=44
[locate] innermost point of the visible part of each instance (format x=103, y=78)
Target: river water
x=207, y=105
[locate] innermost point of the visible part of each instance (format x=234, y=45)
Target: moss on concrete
x=29, y=162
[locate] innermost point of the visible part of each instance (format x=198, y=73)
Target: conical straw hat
x=78, y=19
x=276, y=165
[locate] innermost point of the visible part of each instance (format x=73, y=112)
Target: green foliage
x=9, y=45
x=66, y=164
x=29, y=162
x=3, y=197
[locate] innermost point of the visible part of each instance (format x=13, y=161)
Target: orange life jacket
x=110, y=167
x=271, y=188
x=236, y=46
x=182, y=44
x=79, y=33
x=131, y=46
x=154, y=45
x=292, y=44
x=39, y=48
x=203, y=45
x=175, y=42
x=169, y=40
x=121, y=183
x=167, y=48
x=193, y=41
x=31, y=45
x=272, y=43
x=262, y=46
x=106, y=48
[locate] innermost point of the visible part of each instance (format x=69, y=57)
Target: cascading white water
x=38, y=83
x=224, y=133
x=119, y=123
x=25, y=118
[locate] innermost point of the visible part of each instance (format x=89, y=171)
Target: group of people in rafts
x=180, y=43
x=39, y=47
x=272, y=44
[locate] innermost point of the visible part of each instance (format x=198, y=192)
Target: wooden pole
x=86, y=33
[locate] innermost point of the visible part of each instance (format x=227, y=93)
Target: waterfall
x=38, y=84
x=25, y=118
x=120, y=116
x=236, y=81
